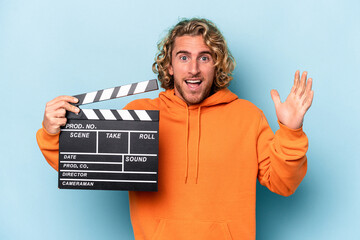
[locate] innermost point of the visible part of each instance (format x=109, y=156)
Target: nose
x=194, y=67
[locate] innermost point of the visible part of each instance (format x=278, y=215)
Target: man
x=212, y=145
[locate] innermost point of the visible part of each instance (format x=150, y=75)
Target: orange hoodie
x=210, y=156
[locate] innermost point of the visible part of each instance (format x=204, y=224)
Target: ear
x=171, y=70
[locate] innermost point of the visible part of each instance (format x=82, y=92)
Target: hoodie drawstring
x=187, y=144
x=197, y=145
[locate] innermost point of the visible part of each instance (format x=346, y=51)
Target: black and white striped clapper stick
x=107, y=149
x=117, y=92
x=112, y=93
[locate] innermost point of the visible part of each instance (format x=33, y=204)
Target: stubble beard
x=192, y=100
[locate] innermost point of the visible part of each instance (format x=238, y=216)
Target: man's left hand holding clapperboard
x=110, y=149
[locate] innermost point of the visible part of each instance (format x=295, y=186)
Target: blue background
x=51, y=48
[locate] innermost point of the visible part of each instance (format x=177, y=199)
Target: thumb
x=275, y=97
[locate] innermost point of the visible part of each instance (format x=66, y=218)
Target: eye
x=204, y=58
x=183, y=58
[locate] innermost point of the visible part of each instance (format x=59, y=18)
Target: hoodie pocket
x=185, y=229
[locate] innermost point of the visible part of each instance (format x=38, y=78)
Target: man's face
x=192, y=67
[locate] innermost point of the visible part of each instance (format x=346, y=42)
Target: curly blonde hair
x=224, y=61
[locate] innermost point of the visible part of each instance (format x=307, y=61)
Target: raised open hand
x=291, y=112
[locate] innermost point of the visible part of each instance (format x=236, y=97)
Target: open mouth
x=193, y=83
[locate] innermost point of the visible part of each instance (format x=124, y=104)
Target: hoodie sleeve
x=281, y=157
x=49, y=146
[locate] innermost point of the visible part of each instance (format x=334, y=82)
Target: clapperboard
x=110, y=149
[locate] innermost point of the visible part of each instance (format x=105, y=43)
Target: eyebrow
x=186, y=52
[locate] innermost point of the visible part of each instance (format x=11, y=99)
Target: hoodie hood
x=220, y=97
x=177, y=105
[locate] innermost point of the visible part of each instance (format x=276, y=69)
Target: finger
x=63, y=98
x=309, y=100
x=64, y=105
x=296, y=81
x=62, y=121
x=52, y=125
x=275, y=97
x=59, y=113
x=302, y=83
x=308, y=86
x=307, y=90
